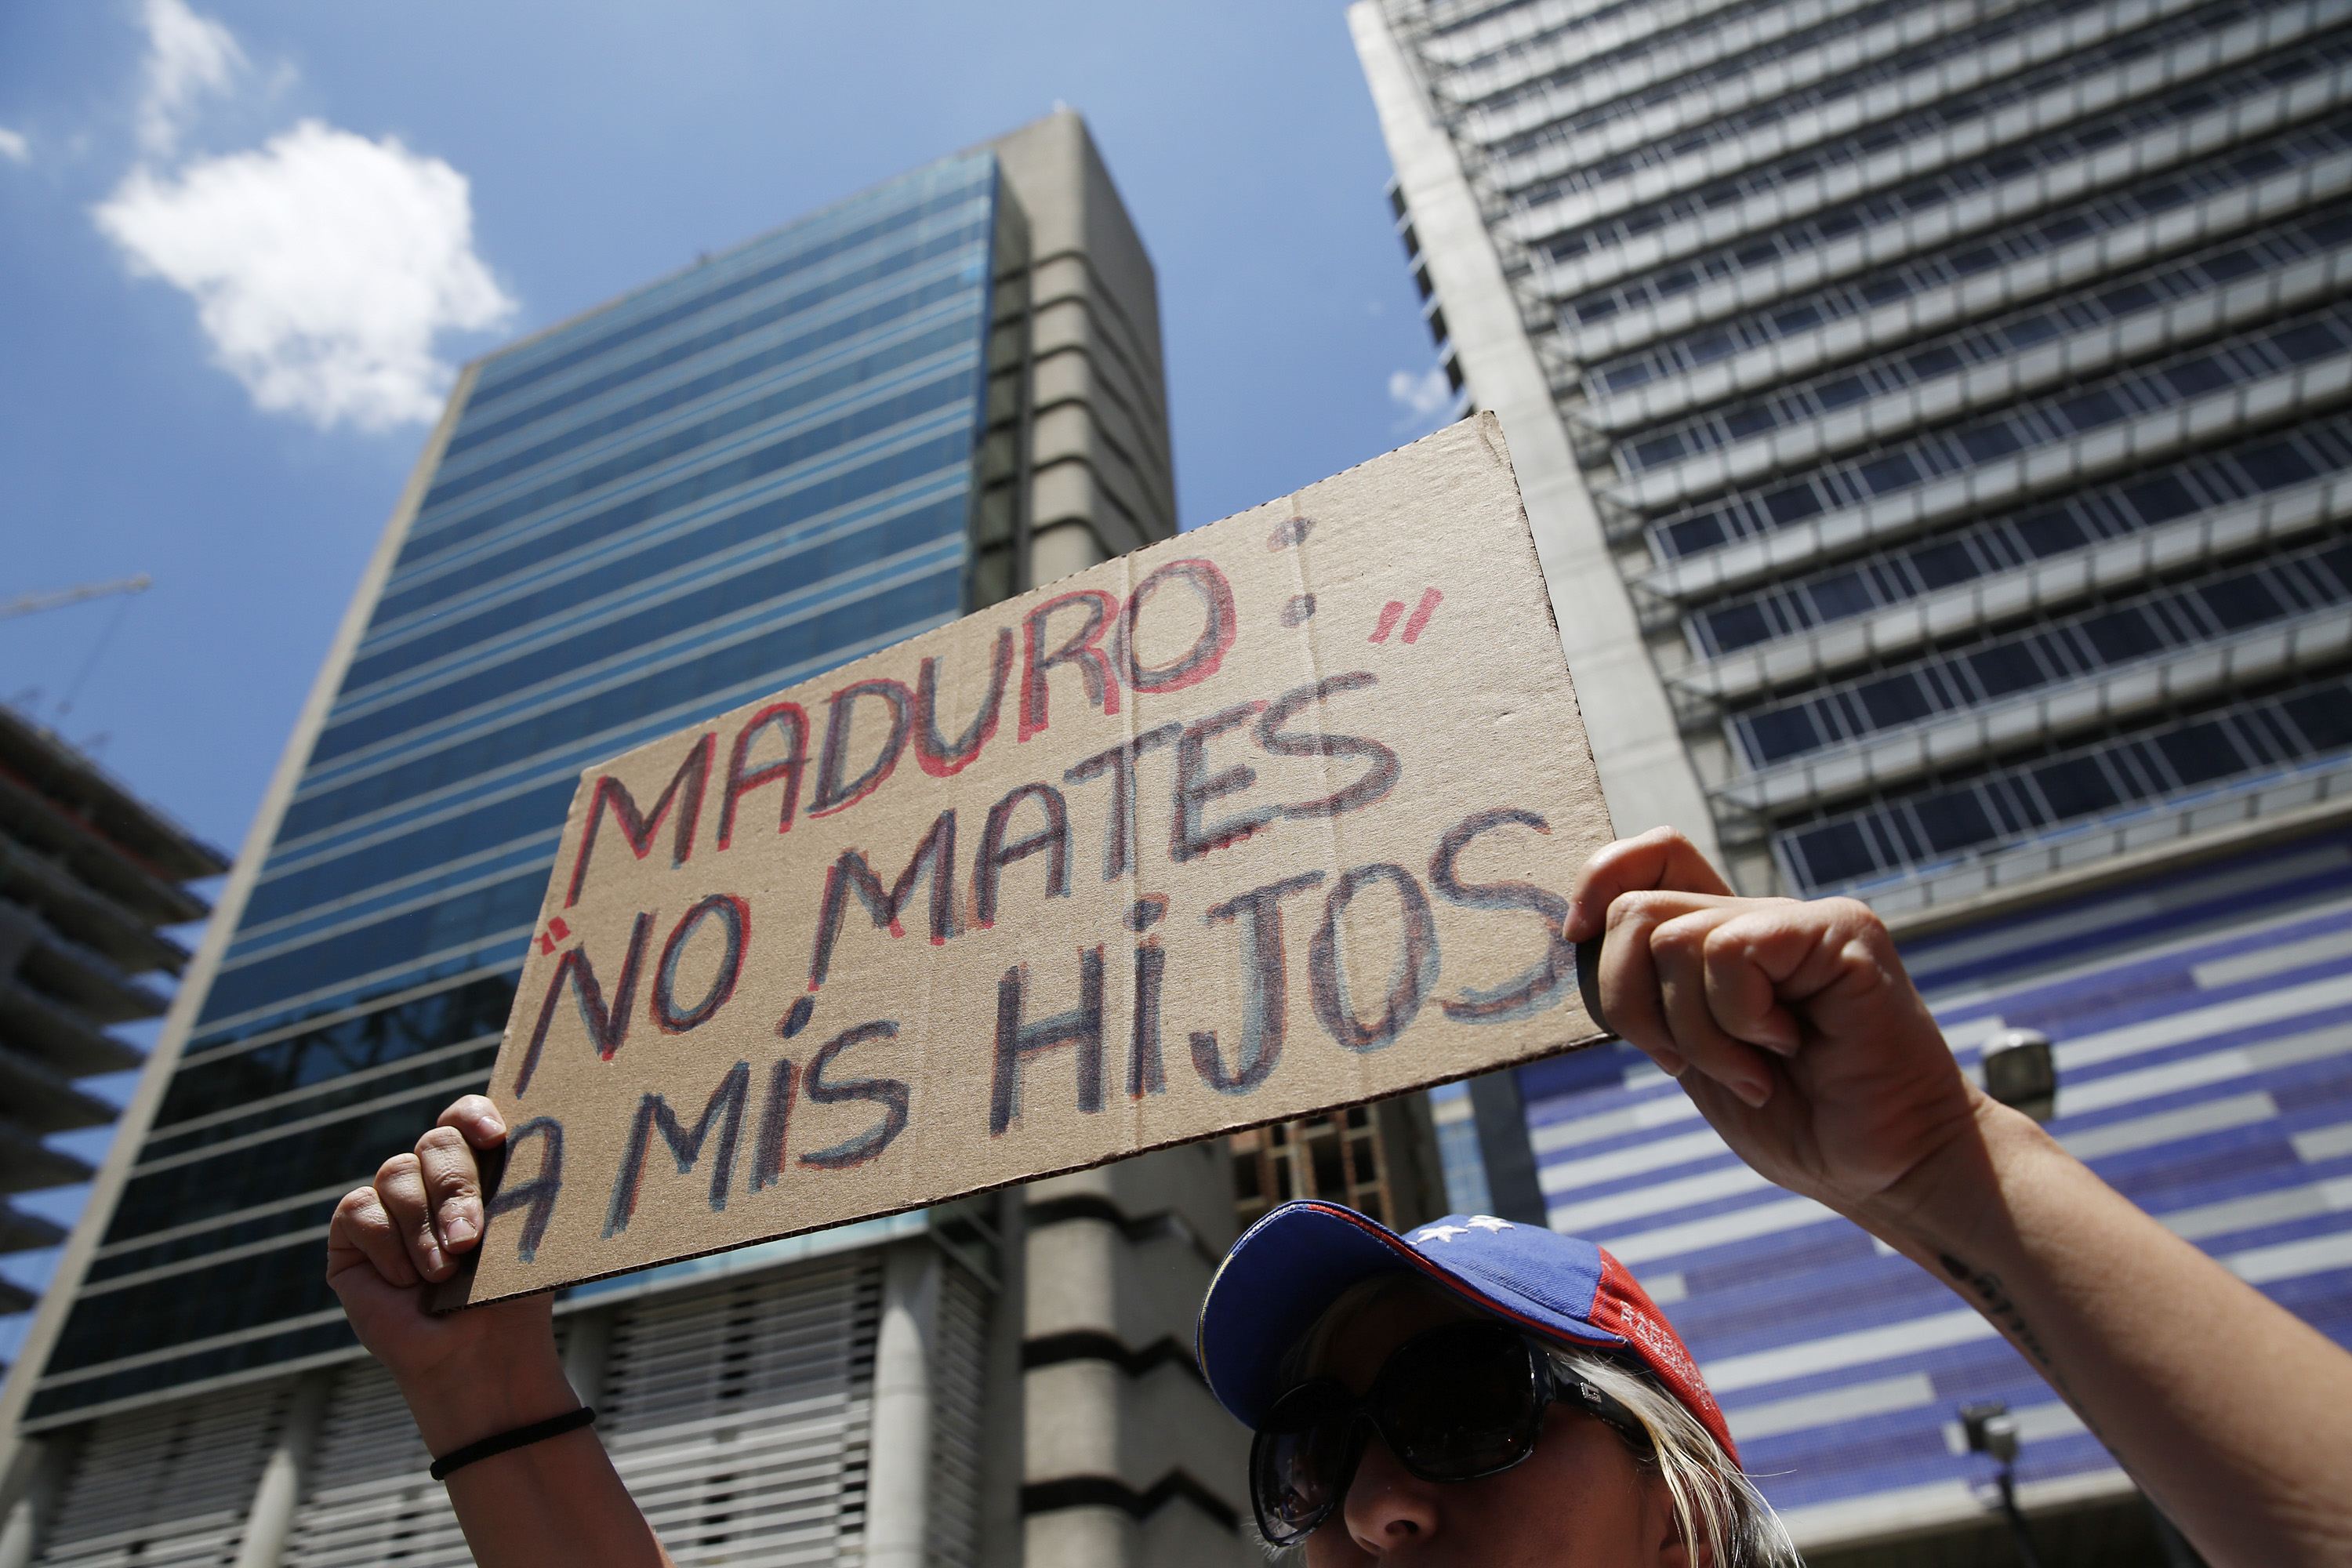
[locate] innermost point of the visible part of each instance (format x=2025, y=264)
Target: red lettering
x=788, y=719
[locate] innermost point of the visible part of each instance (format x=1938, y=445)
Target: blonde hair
x=1718, y=1512
x=1721, y=1517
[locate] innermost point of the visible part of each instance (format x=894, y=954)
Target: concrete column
x=1501, y=1119
x=18, y=1522
x=29, y=1496
x=1004, y=1434
x=1127, y=1460
x=17, y=1534
x=1647, y=773
x=587, y=1341
x=899, y=1441
x=270, y=1519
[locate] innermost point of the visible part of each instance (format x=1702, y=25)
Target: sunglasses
x=1456, y=1403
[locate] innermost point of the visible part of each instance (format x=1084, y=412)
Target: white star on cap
x=1489, y=1223
x=1445, y=1233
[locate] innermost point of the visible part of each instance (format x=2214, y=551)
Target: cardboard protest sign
x=1271, y=818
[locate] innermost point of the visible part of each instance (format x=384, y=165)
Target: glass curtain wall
x=1961, y=389
x=776, y=462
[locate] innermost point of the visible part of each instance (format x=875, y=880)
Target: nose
x=1387, y=1507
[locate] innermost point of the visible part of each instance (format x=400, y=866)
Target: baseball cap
x=1289, y=1266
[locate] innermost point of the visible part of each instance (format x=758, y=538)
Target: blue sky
x=244, y=242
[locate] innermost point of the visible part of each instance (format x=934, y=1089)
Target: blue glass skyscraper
x=865, y=424
x=716, y=487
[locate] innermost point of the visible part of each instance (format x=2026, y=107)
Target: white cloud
x=1420, y=398
x=323, y=265
x=187, y=57
x=14, y=147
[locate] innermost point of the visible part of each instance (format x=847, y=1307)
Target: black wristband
x=517, y=1437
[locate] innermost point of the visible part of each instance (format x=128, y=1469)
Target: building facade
x=1382, y=1159
x=90, y=878
x=1930, y=416
x=910, y=404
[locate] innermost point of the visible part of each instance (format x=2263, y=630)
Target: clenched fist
x=466, y=1373
x=1791, y=1026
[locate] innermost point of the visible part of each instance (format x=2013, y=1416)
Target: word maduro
x=1086, y=615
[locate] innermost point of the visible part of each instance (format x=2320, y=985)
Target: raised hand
x=1791, y=1026
x=1797, y=1033
x=466, y=1373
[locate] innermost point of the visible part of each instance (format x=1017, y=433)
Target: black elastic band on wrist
x=518, y=1437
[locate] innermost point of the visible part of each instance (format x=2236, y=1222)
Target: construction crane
x=58, y=598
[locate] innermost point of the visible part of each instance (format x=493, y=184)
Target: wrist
x=457, y=1405
x=1945, y=1203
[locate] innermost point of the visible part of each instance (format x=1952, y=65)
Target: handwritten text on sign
x=1272, y=817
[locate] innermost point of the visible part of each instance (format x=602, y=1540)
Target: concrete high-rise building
x=1934, y=422
x=90, y=877
x=878, y=418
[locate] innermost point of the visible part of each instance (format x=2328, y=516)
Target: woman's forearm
x=1795, y=1029
x=2233, y=1414
x=557, y=1500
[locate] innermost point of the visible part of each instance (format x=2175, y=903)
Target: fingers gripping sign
x=1652, y=987
x=399, y=1187
x=453, y=1176
x=1791, y=1025
x=411, y=1226
x=361, y=1239
x=471, y=1377
x=1661, y=859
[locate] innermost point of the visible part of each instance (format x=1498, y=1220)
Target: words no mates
x=1272, y=817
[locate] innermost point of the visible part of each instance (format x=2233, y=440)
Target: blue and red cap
x=1288, y=1268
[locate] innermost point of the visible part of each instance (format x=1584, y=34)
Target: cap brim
x=1285, y=1273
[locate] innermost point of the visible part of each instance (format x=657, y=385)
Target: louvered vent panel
x=166, y=1488
x=370, y=1500
x=738, y=1416
x=959, y=1356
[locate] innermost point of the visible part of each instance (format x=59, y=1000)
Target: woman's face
x=1581, y=1502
